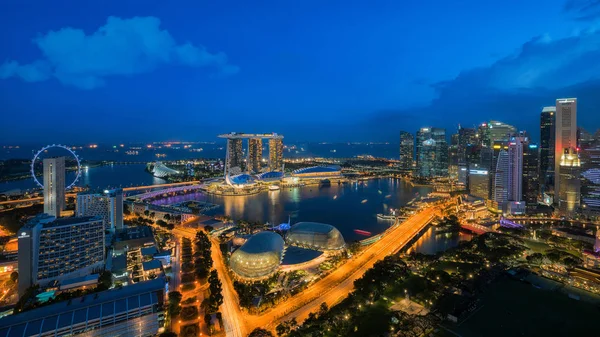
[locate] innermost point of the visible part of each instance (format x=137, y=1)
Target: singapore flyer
x=56, y=146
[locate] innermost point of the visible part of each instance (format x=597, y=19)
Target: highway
x=233, y=319
x=126, y=189
x=339, y=283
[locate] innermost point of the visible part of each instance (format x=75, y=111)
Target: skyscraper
x=568, y=182
x=235, y=155
x=515, y=166
x=495, y=131
x=54, y=185
x=467, y=138
x=501, y=180
x=432, y=152
x=52, y=249
x=531, y=179
x=254, y=155
x=276, y=154
x=407, y=147
x=107, y=205
x=453, y=158
x=441, y=150
x=547, y=131
x=479, y=183
x=565, y=134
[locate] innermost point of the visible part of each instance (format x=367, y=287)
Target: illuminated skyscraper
x=547, y=131
x=254, y=155
x=515, y=168
x=275, y=154
x=479, y=183
x=432, y=152
x=565, y=134
x=235, y=157
x=569, y=184
x=501, y=182
x=531, y=179
x=54, y=185
x=407, y=146
x=495, y=131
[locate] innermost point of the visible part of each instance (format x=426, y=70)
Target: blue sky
x=311, y=70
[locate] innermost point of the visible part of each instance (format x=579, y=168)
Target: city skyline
x=363, y=80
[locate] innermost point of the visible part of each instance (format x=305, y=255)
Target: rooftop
x=55, y=312
x=238, y=135
x=149, y=251
x=151, y=265
x=49, y=221
x=312, y=227
x=263, y=242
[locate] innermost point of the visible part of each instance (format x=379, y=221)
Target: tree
x=215, y=286
x=146, y=212
x=105, y=280
x=167, y=216
x=260, y=332
x=14, y=276
x=323, y=308
x=174, y=300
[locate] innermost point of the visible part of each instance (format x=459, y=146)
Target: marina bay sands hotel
x=234, y=160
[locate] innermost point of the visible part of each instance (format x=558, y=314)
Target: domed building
x=314, y=235
x=259, y=257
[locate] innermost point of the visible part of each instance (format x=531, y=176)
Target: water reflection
x=432, y=243
x=314, y=203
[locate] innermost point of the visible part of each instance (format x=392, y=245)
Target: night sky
x=83, y=71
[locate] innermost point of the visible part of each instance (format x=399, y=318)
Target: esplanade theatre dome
x=259, y=257
x=314, y=235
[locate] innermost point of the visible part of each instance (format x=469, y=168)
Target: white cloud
x=121, y=47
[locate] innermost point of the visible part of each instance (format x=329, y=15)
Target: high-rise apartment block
x=54, y=185
x=52, y=249
x=107, y=205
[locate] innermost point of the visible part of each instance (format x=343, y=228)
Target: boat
x=388, y=196
x=274, y=188
x=382, y=216
x=364, y=201
x=361, y=232
x=379, y=191
x=335, y=197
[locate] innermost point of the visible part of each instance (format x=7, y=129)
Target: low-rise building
x=136, y=310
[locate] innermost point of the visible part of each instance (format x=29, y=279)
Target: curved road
x=331, y=289
x=339, y=283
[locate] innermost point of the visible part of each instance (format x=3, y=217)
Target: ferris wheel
x=44, y=149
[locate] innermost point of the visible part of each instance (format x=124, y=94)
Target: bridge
x=175, y=189
x=477, y=229
x=507, y=223
x=125, y=190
